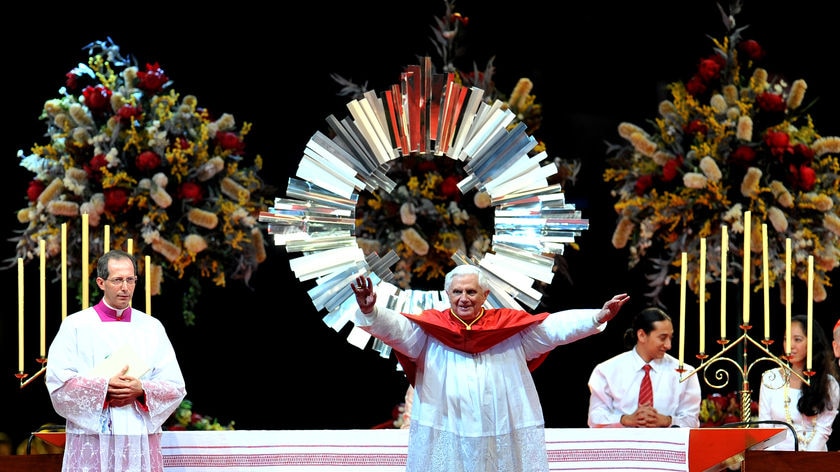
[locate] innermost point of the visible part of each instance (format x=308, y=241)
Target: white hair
x=466, y=269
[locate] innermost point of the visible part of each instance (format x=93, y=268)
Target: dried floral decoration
x=184, y=419
x=734, y=138
x=719, y=409
x=425, y=219
x=152, y=164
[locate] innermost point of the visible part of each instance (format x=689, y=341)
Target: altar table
x=384, y=450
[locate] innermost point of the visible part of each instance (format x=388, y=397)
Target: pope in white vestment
x=475, y=406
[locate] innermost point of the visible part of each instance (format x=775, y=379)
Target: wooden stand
x=39, y=462
x=785, y=461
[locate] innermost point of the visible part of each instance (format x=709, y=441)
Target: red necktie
x=646, y=389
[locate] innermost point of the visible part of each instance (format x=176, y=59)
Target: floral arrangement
x=717, y=409
x=426, y=219
x=183, y=419
x=734, y=137
x=160, y=170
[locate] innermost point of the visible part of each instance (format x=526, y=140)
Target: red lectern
x=709, y=448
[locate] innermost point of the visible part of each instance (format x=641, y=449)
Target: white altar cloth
x=384, y=450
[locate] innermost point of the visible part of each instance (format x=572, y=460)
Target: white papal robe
x=477, y=411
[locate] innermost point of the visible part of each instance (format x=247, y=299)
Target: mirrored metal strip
x=308, y=191
x=320, y=244
x=524, y=267
x=319, y=263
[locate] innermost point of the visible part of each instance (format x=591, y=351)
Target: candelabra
x=24, y=377
x=722, y=376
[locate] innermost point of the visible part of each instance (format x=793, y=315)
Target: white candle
x=683, y=271
x=129, y=249
x=788, y=295
x=747, y=266
x=148, y=270
x=20, y=314
x=810, y=312
x=724, y=265
x=43, y=252
x=85, y=262
x=766, y=278
x=702, y=295
x=106, y=240
x=63, y=271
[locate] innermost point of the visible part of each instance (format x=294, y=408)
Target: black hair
x=816, y=396
x=644, y=320
x=102, y=263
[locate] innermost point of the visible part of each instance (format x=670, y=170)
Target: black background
x=261, y=356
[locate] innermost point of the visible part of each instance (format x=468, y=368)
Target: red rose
x=191, y=192
x=776, y=139
x=695, y=127
x=643, y=184
x=803, y=153
x=34, y=190
x=147, y=161
x=94, y=167
x=97, y=99
x=230, y=141
x=72, y=82
x=152, y=80
x=176, y=427
x=77, y=78
x=671, y=169
x=116, y=199
x=770, y=102
x=709, y=68
x=778, y=142
x=696, y=86
x=743, y=155
x=128, y=113
x=449, y=188
x=751, y=49
x=720, y=401
x=803, y=177
x=183, y=143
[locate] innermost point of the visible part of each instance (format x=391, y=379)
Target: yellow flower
x=732, y=138
x=133, y=154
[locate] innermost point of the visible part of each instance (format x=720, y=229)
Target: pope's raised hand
x=612, y=306
x=365, y=295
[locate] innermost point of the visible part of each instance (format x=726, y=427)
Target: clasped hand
x=645, y=416
x=365, y=295
x=123, y=389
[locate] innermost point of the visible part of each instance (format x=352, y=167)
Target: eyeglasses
x=119, y=281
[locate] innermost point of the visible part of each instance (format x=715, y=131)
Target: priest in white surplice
x=113, y=375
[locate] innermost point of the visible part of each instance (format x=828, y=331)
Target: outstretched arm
x=612, y=307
